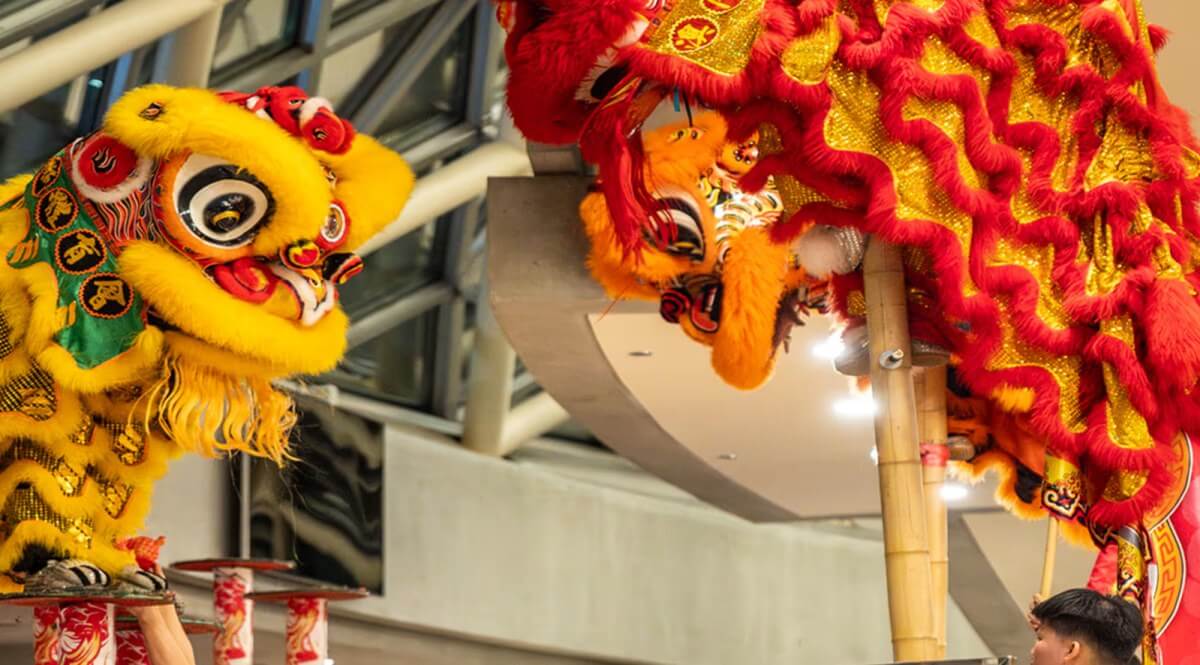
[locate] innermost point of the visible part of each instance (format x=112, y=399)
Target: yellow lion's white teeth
x=317, y=296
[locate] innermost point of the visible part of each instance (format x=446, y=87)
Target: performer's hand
x=1033, y=621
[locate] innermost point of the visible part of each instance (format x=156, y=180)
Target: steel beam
x=91, y=43
x=405, y=71
x=449, y=187
x=190, y=56
x=398, y=311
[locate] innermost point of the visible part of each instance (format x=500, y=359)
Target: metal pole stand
x=233, y=580
x=308, y=619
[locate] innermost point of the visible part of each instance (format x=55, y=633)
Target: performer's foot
x=66, y=574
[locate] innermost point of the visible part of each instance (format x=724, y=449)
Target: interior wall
x=1177, y=61
x=528, y=556
x=589, y=558
x=191, y=508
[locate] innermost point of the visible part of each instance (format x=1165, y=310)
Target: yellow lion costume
x=709, y=259
x=158, y=275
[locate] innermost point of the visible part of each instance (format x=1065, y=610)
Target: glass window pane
x=441, y=90
x=393, y=271
x=20, y=19
x=326, y=512
x=31, y=133
x=394, y=366
x=354, y=71
x=254, y=30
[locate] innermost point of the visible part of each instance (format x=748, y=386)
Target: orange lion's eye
x=676, y=227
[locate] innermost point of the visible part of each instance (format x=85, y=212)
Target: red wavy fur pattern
x=1026, y=148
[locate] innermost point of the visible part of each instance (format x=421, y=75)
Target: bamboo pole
x=930, y=387
x=905, y=537
x=1051, y=553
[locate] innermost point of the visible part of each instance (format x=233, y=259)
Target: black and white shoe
x=67, y=574
x=142, y=580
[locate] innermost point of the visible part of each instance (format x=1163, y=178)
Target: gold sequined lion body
x=157, y=276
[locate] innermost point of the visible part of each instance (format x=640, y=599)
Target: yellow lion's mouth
x=272, y=333
x=303, y=295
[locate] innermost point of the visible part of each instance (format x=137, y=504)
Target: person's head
x=1083, y=627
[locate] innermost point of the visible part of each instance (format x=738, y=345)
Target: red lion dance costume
x=1026, y=157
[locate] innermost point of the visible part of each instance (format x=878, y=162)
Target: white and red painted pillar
x=233, y=580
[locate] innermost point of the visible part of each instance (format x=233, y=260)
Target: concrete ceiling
x=787, y=438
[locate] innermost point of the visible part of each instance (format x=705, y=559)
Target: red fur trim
x=1171, y=322
x=1132, y=376
x=1116, y=514
x=1159, y=36
x=547, y=61
x=1105, y=453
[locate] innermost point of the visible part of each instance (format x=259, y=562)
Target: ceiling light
x=829, y=349
x=861, y=405
x=874, y=456
x=953, y=492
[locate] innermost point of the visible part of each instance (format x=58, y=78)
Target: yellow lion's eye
x=219, y=203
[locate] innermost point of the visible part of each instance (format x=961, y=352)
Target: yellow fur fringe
x=253, y=417
x=1013, y=400
x=32, y=532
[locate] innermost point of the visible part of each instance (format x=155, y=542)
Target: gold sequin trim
x=856, y=304
x=116, y=497
x=1014, y=352
x=806, y=59
x=853, y=125
x=69, y=477
x=6, y=345
x=32, y=394
x=24, y=505
x=128, y=442
x=82, y=436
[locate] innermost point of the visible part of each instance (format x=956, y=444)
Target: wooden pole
x=905, y=536
x=930, y=387
x=1051, y=552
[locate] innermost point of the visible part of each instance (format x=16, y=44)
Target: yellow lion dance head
x=159, y=274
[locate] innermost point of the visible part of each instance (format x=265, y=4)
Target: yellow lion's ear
x=155, y=120
x=373, y=183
